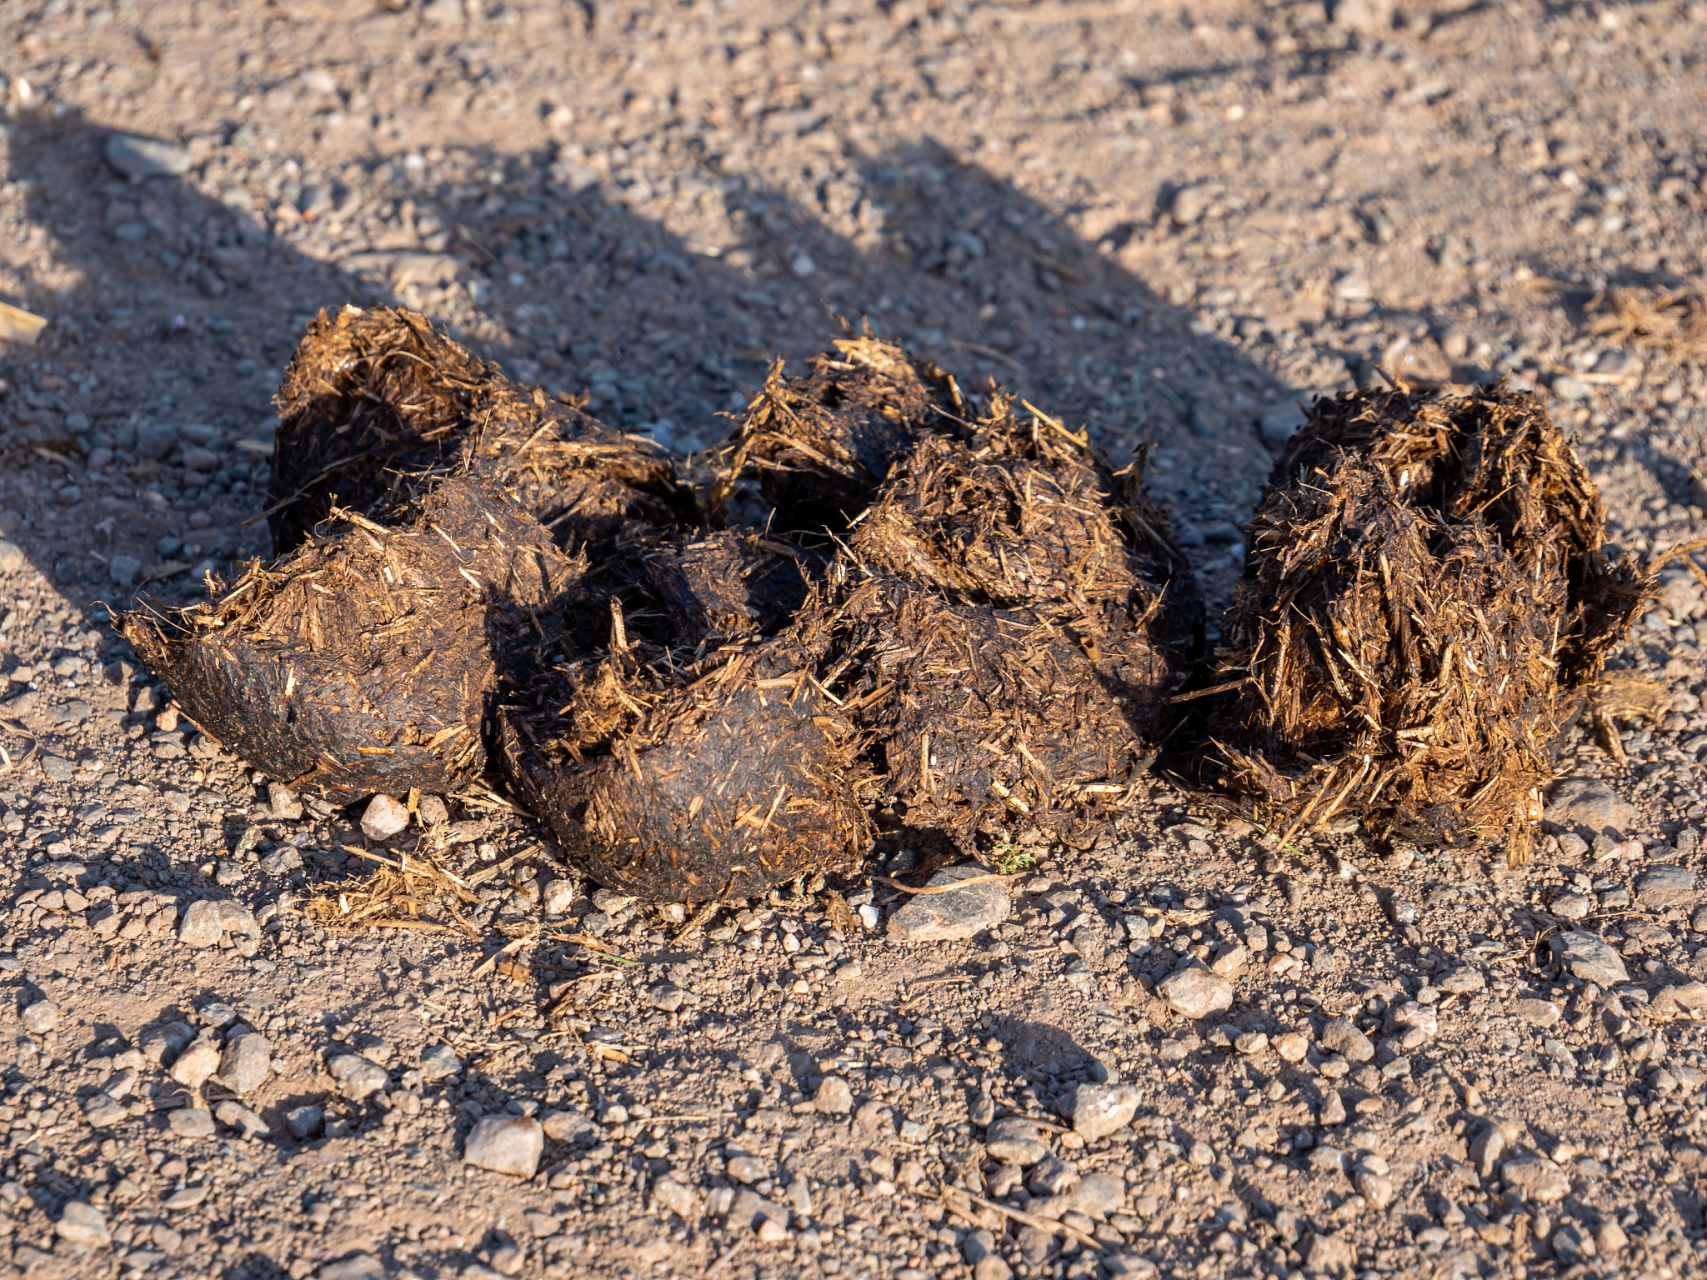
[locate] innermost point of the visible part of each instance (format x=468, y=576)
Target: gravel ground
x=1170, y=225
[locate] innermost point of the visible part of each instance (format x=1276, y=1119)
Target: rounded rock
x=1102, y=1109
x=1195, y=993
x=191, y=1122
x=1341, y=1036
x=383, y=818
x=357, y=1077
x=81, y=1224
x=1014, y=1140
x=41, y=1017
x=505, y=1144
x=201, y=925
x=833, y=1098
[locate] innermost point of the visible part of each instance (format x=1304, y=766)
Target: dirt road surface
x=1168, y=222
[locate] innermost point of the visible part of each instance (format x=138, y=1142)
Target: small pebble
x=41, y=1017
x=383, y=818
x=191, y=1122
x=505, y=1144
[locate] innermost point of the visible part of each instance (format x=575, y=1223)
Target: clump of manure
x=1424, y=591
x=367, y=660
x=377, y=406
x=708, y=765
x=821, y=444
x=1010, y=618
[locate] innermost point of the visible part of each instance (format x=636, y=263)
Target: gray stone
x=196, y=1064
x=1102, y=1109
x=666, y=996
x=383, y=818
x=1537, y=1181
x=356, y=1266
x=1591, y=808
x=755, y=1211
x=993, y=1267
x=439, y=1062
x=1333, y=1108
x=83, y=1225
x=676, y=1198
x=1588, y=957
x=953, y=916
x=746, y=1169
x=146, y=157
x=41, y=1017
x=1611, y=1238
x=1486, y=1151
x=303, y=1123
x=558, y=896
x=1537, y=1013
x=432, y=811
x=247, y=1060
x=1375, y=1188
x=1291, y=1046
x=165, y=1042
x=234, y=1115
x=977, y=1246
x=1195, y=993
x=200, y=926
x=1341, y=1036
x=102, y=1112
x=1661, y=887
x=191, y=1122
x=1570, y=1245
x=58, y=768
x=505, y=1144
x=1571, y=905
x=1462, y=982
x=185, y=1198
x=1014, y=1140
x=1191, y=203
x=358, y=1077
x=11, y=556
x=834, y=1097
x=1690, y=996
x=1568, y=388
x=124, y=570
x=1328, y=1253
x=570, y=1126
x=1099, y=1194
x=285, y=804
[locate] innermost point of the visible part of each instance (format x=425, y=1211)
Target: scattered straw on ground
x=1673, y=321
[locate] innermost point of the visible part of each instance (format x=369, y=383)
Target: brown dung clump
x=377, y=405
x=821, y=444
x=1009, y=626
x=1424, y=588
x=367, y=660
x=682, y=778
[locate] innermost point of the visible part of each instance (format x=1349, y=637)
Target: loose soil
x=1171, y=228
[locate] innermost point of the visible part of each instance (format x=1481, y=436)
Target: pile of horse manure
x=473, y=578
x=1009, y=620
x=821, y=444
x=1424, y=595
x=377, y=406
x=368, y=659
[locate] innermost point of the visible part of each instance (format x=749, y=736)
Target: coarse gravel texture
x=1169, y=223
